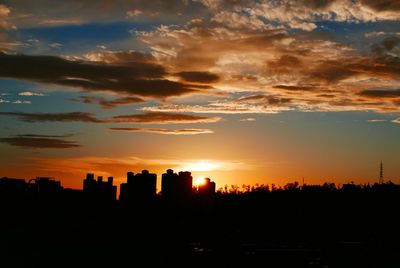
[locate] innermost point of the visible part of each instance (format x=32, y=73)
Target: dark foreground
x=357, y=228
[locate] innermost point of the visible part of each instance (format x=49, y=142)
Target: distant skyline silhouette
x=44, y=224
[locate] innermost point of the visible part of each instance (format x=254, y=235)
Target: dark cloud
x=199, y=77
x=388, y=44
x=316, y=4
x=109, y=104
x=264, y=99
x=381, y=93
x=135, y=78
x=163, y=118
x=190, y=131
x=285, y=64
x=39, y=141
x=120, y=57
x=331, y=72
x=382, y=5
x=295, y=88
x=45, y=136
x=54, y=117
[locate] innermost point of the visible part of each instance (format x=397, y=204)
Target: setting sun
x=199, y=181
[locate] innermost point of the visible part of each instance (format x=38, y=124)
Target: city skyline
x=242, y=92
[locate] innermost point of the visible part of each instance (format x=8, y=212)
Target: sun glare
x=201, y=166
x=199, y=181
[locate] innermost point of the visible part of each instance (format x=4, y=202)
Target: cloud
x=45, y=136
x=119, y=57
x=264, y=99
x=146, y=118
x=382, y=5
x=30, y=93
x=219, y=108
x=109, y=104
x=249, y=119
x=129, y=78
x=189, y=131
x=21, y=102
x=236, y=48
x=61, y=22
x=376, y=120
x=15, y=102
x=134, y=13
x=26, y=13
x=388, y=46
x=163, y=118
x=199, y=77
x=253, y=104
x=303, y=71
x=4, y=12
x=303, y=14
x=39, y=141
x=55, y=45
x=54, y=117
x=295, y=87
x=381, y=93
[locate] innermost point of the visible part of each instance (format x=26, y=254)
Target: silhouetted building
x=44, y=188
x=206, y=192
x=44, y=185
x=207, y=188
x=168, y=183
x=176, y=188
x=139, y=188
x=13, y=188
x=99, y=190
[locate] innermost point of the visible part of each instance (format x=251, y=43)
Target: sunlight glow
x=202, y=166
x=199, y=181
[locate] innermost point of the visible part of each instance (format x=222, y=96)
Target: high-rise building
x=140, y=187
x=176, y=188
x=99, y=190
x=207, y=188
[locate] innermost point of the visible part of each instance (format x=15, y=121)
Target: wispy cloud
x=164, y=118
x=55, y=45
x=39, y=141
x=30, y=93
x=54, y=117
x=249, y=119
x=376, y=120
x=144, y=118
x=15, y=101
x=225, y=107
x=109, y=104
x=186, y=131
x=397, y=120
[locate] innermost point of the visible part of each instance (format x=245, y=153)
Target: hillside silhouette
x=44, y=224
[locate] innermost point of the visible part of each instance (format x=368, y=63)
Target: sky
x=243, y=92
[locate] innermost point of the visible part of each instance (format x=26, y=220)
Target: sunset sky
x=241, y=91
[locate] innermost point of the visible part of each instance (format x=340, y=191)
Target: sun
x=199, y=181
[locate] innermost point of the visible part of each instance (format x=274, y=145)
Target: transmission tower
x=381, y=173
